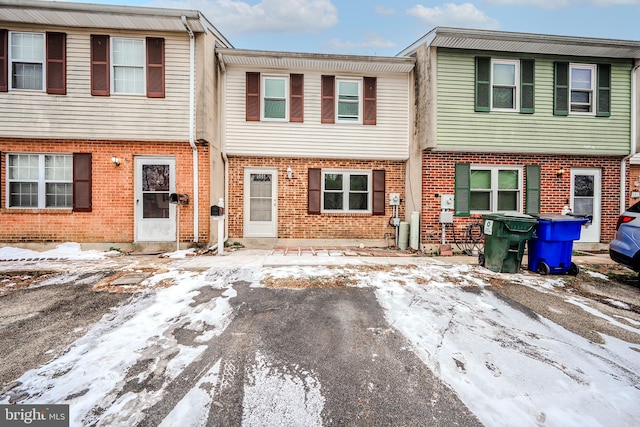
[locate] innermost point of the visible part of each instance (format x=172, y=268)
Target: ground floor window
x=40, y=180
x=495, y=188
x=346, y=191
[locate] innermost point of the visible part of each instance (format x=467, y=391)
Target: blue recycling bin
x=551, y=246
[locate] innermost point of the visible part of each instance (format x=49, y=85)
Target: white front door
x=155, y=217
x=260, y=202
x=586, y=200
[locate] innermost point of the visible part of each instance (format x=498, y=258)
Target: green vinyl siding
x=461, y=128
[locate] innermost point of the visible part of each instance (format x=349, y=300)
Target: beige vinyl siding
x=121, y=117
x=388, y=139
x=461, y=128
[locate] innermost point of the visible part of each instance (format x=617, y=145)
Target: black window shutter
x=603, y=99
x=82, y=182
x=328, y=114
x=100, y=84
x=57, y=63
x=527, y=86
x=253, y=97
x=483, y=84
x=462, y=189
x=296, y=94
x=4, y=60
x=561, y=89
x=314, y=191
x=379, y=202
x=370, y=102
x=155, y=67
x=533, y=189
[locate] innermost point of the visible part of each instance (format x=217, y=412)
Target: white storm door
x=586, y=200
x=155, y=217
x=260, y=202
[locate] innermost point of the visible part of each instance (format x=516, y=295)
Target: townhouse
x=523, y=123
x=105, y=111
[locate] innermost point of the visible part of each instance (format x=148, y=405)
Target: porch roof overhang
x=503, y=41
x=88, y=15
x=315, y=61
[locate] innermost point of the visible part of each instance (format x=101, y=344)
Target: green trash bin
x=505, y=236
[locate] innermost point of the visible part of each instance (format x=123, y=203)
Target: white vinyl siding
x=388, y=139
x=31, y=114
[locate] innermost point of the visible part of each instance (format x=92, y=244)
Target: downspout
x=632, y=142
x=192, y=103
x=223, y=141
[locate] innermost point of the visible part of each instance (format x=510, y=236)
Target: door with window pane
x=155, y=216
x=260, y=202
x=585, y=200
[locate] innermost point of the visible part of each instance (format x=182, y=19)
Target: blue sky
x=385, y=27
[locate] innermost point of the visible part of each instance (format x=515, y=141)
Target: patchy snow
x=68, y=251
x=183, y=253
x=596, y=274
x=509, y=365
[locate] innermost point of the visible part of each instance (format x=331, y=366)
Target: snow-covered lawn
x=509, y=366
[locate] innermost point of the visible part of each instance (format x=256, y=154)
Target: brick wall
x=438, y=178
x=293, y=220
x=112, y=216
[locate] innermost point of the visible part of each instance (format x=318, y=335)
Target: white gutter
x=632, y=143
x=223, y=140
x=192, y=103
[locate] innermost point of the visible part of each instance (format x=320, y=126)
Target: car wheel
x=543, y=268
x=574, y=269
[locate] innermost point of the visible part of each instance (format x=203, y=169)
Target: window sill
x=326, y=213
x=24, y=211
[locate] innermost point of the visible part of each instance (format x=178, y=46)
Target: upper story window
x=349, y=100
x=274, y=97
x=582, y=80
x=505, y=85
x=127, y=66
x=275, y=92
x=582, y=89
x=128, y=62
x=495, y=189
x=505, y=82
x=27, y=59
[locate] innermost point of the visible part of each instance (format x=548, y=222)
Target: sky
x=507, y=366
x=386, y=27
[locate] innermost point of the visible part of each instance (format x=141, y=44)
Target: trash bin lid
x=558, y=217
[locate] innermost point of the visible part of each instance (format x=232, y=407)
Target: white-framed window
x=349, y=100
x=582, y=83
x=27, y=60
x=40, y=181
x=274, y=96
x=128, y=61
x=505, y=85
x=346, y=191
x=496, y=189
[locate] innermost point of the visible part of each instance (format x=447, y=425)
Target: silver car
x=625, y=248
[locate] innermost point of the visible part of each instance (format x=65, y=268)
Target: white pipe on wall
x=192, y=103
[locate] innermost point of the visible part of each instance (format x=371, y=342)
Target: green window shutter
x=603, y=100
x=561, y=89
x=483, y=84
x=527, y=86
x=462, y=189
x=533, y=189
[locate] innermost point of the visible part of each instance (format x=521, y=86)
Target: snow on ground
x=69, y=251
x=508, y=365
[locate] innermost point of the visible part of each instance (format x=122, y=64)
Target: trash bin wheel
x=573, y=269
x=543, y=268
x=481, y=260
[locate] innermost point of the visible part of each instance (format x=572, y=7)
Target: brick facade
x=438, y=177
x=112, y=216
x=293, y=220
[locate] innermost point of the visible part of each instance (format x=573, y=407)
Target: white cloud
x=278, y=16
x=383, y=10
x=372, y=42
x=454, y=15
x=559, y=4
